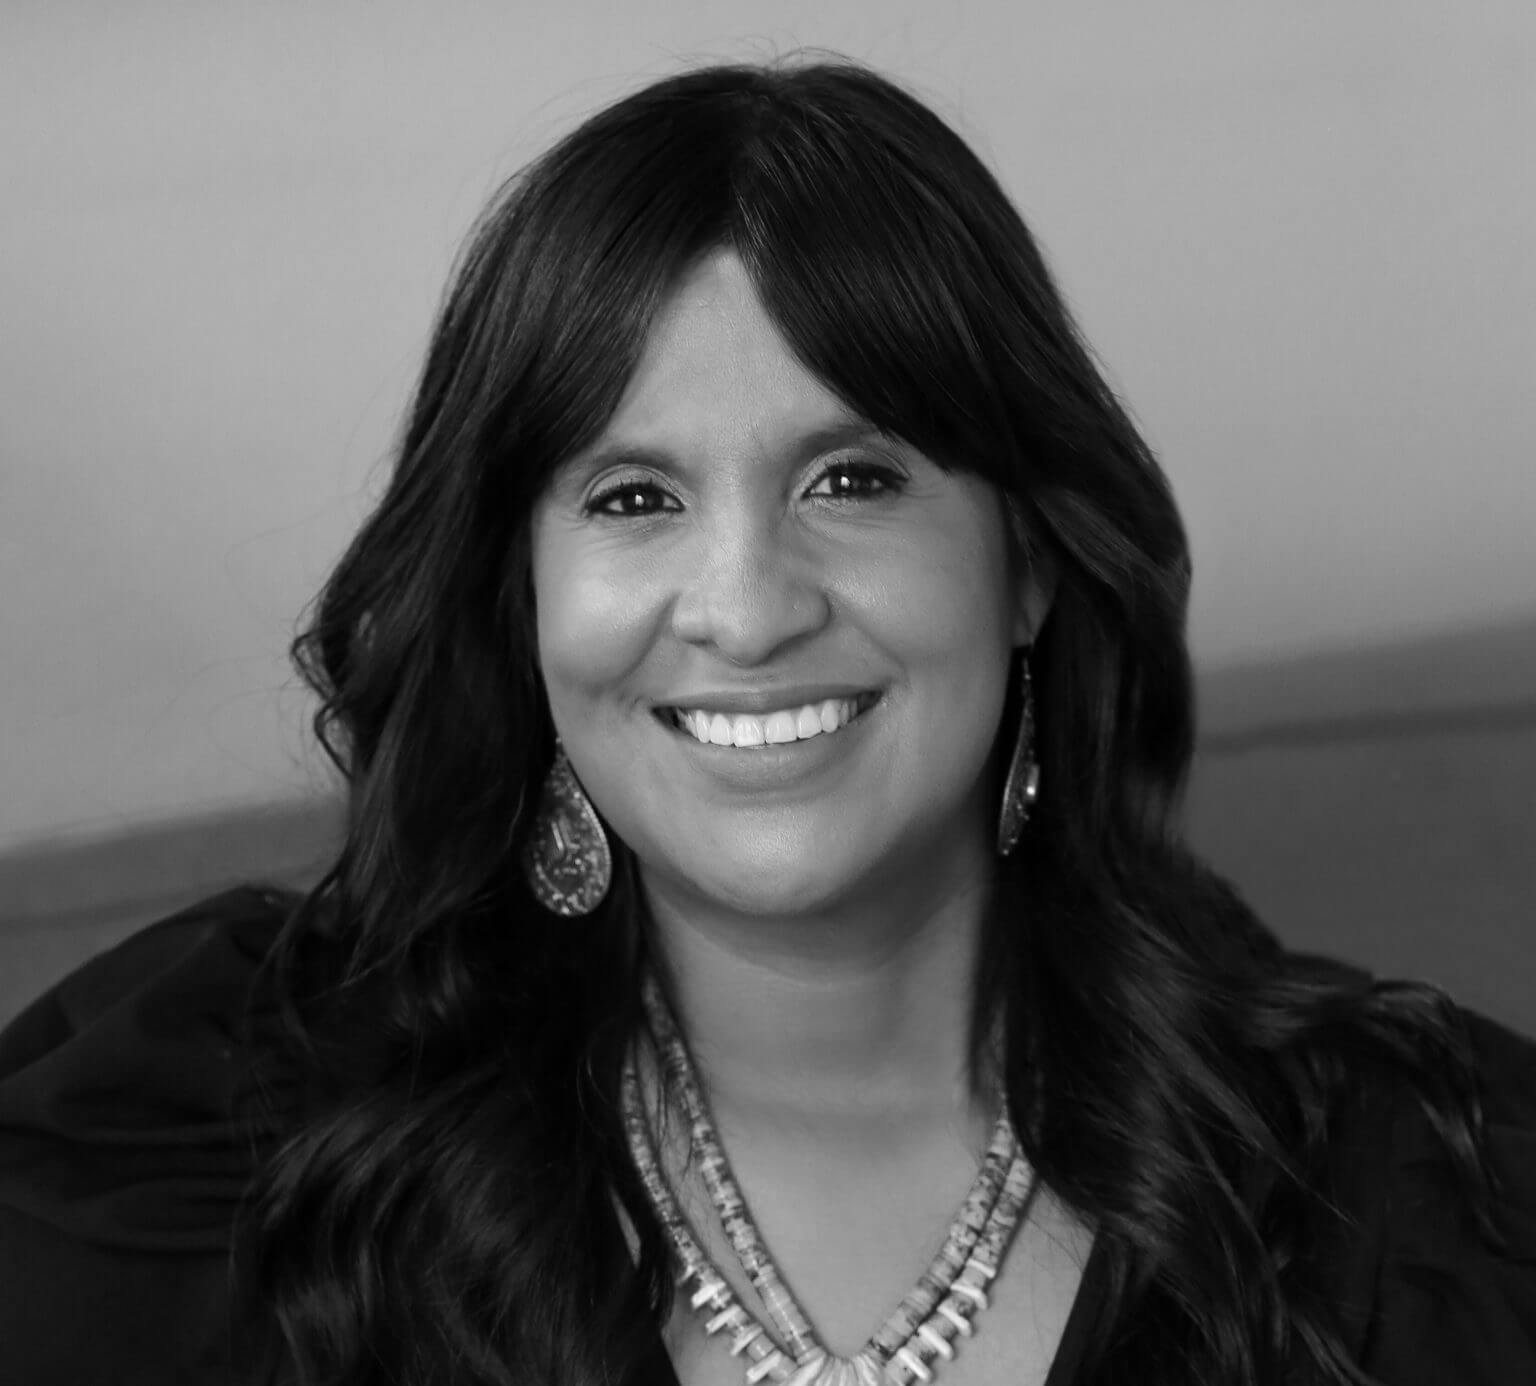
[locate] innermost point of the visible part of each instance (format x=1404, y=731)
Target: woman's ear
x=1034, y=577
x=1036, y=590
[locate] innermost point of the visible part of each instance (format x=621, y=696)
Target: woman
x=762, y=947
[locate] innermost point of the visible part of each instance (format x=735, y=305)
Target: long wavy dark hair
x=436, y=1201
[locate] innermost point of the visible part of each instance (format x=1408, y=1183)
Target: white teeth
x=776, y=729
x=779, y=728
x=747, y=731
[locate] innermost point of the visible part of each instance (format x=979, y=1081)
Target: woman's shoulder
x=1431, y=1296
x=124, y=1150
x=118, y=1083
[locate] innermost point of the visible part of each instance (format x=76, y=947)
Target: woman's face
x=776, y=644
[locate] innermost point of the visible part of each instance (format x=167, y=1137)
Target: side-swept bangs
x=883, y=249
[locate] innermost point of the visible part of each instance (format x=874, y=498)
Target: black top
x=120, y=1172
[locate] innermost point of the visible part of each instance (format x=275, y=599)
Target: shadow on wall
x=1379, y=806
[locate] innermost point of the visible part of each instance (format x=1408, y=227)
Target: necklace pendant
x=823, y=1370
x=807, y=1373
x=832, y=1371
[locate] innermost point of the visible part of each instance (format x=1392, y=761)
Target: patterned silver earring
x=1023, y=783
x=566, y=859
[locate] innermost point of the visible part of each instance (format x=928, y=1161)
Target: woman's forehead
x=716, y=373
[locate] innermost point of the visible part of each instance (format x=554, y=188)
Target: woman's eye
x=631, y=498
x=855, y=481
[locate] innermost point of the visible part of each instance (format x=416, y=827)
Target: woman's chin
x=783, y=865
x=766, y=886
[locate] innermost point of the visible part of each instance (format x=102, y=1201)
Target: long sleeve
x=121, y=1161
x=1422, y=1297
x=1446, y=1307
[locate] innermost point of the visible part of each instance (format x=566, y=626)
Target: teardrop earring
x=566, y=859
x=1023, y=784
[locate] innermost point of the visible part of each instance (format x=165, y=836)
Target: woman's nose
x=749, y=591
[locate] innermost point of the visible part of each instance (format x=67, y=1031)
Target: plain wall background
x=1300, y=236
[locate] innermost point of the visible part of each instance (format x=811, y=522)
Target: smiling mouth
x=781, y=728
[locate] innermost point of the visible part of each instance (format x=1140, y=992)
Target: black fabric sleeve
x=121, y=1162
x=1447, y=1305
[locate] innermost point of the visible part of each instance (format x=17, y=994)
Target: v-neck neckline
x=1080, y=1317
x=657, y=1369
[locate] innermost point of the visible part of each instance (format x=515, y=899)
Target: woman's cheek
x=932, y=596
x=596, y=618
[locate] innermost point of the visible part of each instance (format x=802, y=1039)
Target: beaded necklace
x=922, y=1328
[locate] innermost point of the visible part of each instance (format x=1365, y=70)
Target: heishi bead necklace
x=921, y=1330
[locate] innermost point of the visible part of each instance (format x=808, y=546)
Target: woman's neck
x=865, y=1010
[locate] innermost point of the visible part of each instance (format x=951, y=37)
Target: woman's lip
x=759, y=703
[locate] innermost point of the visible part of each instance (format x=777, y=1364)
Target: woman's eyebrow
x=817, y=440
x=841, y=434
